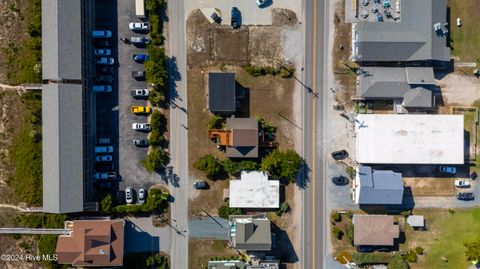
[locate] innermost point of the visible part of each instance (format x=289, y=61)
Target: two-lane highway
x=314, y=98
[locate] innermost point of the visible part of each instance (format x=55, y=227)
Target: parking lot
x=113, y=116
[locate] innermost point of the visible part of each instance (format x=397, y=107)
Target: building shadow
x=137, y=240
x=282, y=247
x=242, y=97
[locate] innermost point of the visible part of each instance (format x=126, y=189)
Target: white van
x=102, y=88
x=104, y=149
x=101, y=34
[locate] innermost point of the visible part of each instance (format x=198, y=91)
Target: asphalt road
x=314, y=98
x=178, y=133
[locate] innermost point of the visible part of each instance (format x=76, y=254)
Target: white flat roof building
x=409, y=139
x=254, y=190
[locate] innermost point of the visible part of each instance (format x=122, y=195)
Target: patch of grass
x=465, y=40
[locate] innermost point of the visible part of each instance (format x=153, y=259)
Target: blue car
x=140, y=58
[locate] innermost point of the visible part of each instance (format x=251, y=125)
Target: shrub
x=216, y=122
x=156, y=139
x=225, y=211
x=337, y=233
x=158, y=261
x=350, y=233
x=155, y=160
x=158, y=122
x=282, y=164
x=156, y=70
x=406, y=213
x=410, y=256
x=287, y=72
x=350, y=170
x=284, y=208
x=156, y=98
x=210, y=166
x=235, y=168
x=397, y=262
x=106, y=205
x=336, y=217
x=419, y=250
x=371, y=258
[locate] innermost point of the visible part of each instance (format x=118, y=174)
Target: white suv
x=141, y=126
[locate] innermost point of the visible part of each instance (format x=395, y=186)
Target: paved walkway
x=33, y=231
x=208, y=227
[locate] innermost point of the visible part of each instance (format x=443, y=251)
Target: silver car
x=141, y=126
x=129, y=195
x=141, y=196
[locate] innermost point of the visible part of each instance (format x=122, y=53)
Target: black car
x=104, y=78
x=200, y=185
x=138, y=75
x=466, y=196
x=140, y=142
x=215, y=17
x=340, y=180
x=339, y=154
x=104, y=166
x=106, y=70
x=102, y=43
x=236, y=17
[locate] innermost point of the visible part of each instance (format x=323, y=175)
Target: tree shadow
x=303, y=177
x=173, y=76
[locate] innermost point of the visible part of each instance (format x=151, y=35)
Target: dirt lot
x=204, y=250
x=459, y=89
x=431, y=186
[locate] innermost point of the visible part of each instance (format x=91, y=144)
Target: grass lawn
x=445, y=237
x=468, y=119
x=465, y=40
x=201, y=251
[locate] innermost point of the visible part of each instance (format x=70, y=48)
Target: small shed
x=416, y=221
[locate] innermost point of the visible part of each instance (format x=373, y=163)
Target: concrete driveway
x=208, y=227
x=142, y=236
x=251, y=13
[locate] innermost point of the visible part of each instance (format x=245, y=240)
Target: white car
x=462, y=183
x=104, y=158
x=459, y=22
x=105, y=61
x=139, y=92
x=102, y=52
x=262, y=3
x=141, y=196
x=141, y=126
x=139, y=26
x=129, y=195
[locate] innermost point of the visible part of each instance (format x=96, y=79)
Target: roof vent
x=102, y=251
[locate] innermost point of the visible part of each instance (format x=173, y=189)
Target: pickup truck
x=140, y=109
x=139, y=93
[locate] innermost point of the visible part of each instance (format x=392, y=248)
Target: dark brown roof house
x=92, y=243
x=374, y=230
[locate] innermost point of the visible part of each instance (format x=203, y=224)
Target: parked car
x=103, y=141
x=104, y=166
x=101, y=34
x=101, y=43
x=104, y=78
x=102, y=52
x=339, y=154
x=105, y=61
x=139, y=92
x=262, y=3
x=459, y=22
x=138, y=75
x=200, y=185
x=141, y=126
x=139, y=26
x=141, y=196
x=140, y=58
x=235, y=18
x=466, y=196
x=140, y=109
x=215, y=17
x=104, y=184
x=340, y=180
x=139, y=40
x=106, y=70
x=103, y=149
x=129, y=195
x=462, y=183
x=105, y=175
x=140, y=142
x=104, y=158
x=447, y=169
x=102, y=88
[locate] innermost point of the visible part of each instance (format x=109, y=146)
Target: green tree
x=397, y=262
x=208, y=164
x=216, y=122
x=156, y=98
x=155, y=160
x=106, y=205
x=156, y=139
x=225, y=211
x=473, y=250
x=156, y=70
x=284, y=208
x=235, y=168
x=158, y=122
x=282, y=165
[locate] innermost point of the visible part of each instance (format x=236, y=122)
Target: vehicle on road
x=140, y=57
x=138, y=75
x=106, y=70
x=104, y=78
x=102, y=88
x=339, y=154
x=105, y=61
x=235, y=18
x=200, y=185
x=102, y=52
x=462, y=183
x=129, y=195
x=136, y=40
x=140, y=109
x=105, y=175
x=137, y=126
x=101, y=34
x=340, y=180
x=137, y=93
x=104, y=158
x=103, y=149
x=466, y=196
x=104, y=166
x=139, y=26
x=101, y=43
x=141, y=196
x=262, y=3
x=447, y=169
x=140, y=142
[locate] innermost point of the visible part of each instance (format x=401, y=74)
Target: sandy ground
x=459, y=89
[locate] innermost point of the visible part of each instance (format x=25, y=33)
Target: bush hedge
x=371, y=258
x=208, y=164
x=397, y=262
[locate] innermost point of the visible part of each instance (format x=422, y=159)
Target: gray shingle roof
x=221, y=92
x=254, y=236
x=61, y=39
x=379, y=186
x=245, y=138
x=62, y=148
x=411, y=39
x=418, y=97
x=420, y=75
